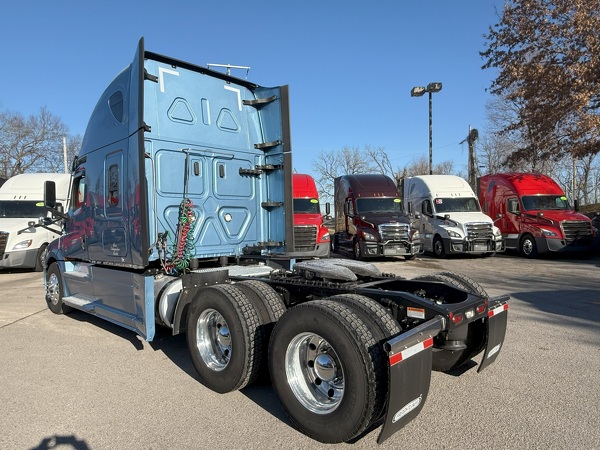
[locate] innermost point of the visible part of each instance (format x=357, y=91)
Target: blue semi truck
x=180, y=215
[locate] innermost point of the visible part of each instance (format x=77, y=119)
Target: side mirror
x=50, y=194
x=446, y=216
x=346, y=212
x=327, y=208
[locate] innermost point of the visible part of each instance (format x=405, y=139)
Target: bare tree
x=33, y=144
x=510, y=148
x=347, y=161
x=420, y=166
x=381, y=160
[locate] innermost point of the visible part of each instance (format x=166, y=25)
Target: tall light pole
x=418, y=91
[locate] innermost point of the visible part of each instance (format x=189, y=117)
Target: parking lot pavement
x=79, y=382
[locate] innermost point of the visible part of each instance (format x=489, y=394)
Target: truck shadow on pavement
x=117, y=330
x=175, y=348
x=576, y=303
x=260, y=392
x=64, y=442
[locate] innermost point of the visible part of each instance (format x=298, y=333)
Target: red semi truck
x=310, y=235
x=534, y=214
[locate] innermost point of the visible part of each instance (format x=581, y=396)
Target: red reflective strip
x=395, y=359
x=410, y=351
x=498, y=310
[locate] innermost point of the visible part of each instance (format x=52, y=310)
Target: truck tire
x=438, y=247
x=54, y=291
x=269, y=306
x=322, y=368
x=356, y=250
x=40, y=259
x=469, y=284
x=383, y=326
x=224, y=338
x=528, y=246
x=443, y=278
x=266, y=300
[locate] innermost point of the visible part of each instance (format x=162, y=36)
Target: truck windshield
x=14, y=209
x=460, y=204
x=306, y=206
x=541, y=202
x=378, y=205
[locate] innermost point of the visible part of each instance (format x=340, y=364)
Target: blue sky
x=350, y=64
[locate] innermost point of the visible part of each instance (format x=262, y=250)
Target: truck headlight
x=549, y=233
x=325, y=238
x=416, y=235
x=497, y=232
x=369, y=237
x=453, y=234
x=23, y=244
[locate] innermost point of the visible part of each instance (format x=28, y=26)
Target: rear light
x=469, y=314
x=456, y=318
x=481, y=309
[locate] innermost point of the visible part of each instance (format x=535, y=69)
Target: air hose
x=183, y=249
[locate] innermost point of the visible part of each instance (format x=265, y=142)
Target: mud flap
x=496, y=330
x=410, y=375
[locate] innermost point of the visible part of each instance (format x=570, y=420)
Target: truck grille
x=479, y=231
x=3, y=241
x=394, y=231
x=305, y=237
x=576, y=231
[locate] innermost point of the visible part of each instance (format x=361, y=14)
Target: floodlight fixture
x=418, y=91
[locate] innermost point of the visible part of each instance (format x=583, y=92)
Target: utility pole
x=472, y=166
x=65, y=153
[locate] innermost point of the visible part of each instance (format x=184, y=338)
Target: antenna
x=229, y=67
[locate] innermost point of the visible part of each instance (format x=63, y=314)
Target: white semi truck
x=449, y=216
x=22, y=246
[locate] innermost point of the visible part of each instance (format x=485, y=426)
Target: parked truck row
x=442, y=215
x=181, y=215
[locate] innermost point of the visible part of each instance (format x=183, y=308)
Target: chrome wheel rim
x=52, y=289
x=314, y=373
x=213, y=340
x=527, y=246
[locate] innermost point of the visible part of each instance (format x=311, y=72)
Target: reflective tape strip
x=498, y=310
x=410, y=351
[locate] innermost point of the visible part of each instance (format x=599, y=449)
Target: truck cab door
x=511, y=221
x=74, y=243
x=78, y=233
x=427, y=228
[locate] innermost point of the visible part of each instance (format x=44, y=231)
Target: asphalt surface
x=77, y=382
